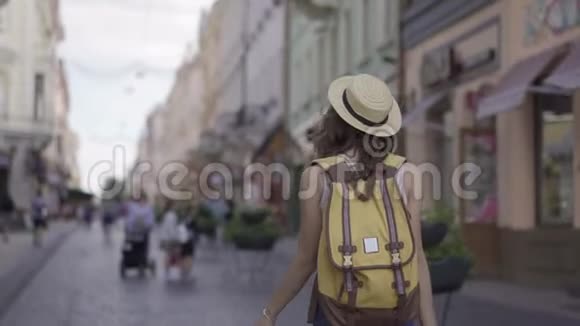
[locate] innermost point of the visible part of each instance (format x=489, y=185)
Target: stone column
x=521, y=196
x=503, y=157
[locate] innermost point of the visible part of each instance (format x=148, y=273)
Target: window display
x=556, y=187
x=480, y=147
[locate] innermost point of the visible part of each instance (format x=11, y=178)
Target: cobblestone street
x=80, y=286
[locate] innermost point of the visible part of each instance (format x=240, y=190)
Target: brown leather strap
x=394, y=238
x=395, y=245
x=350, y=249
x=347, y=247
x=388, y=172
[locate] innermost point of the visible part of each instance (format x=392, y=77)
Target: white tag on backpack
x=371, y=245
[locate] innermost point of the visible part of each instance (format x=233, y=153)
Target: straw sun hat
x=366, y=103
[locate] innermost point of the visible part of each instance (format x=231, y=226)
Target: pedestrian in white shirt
x=169, y=236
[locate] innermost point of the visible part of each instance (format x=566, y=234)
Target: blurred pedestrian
x=140, y=215
x=367, y=254
x=39, y=215
x=169, y=236
x=188, y=238
x=139, y=223
x=6, y=211
x=231, y=207
x=88, y=213
x=4, y=228
x=110, y=212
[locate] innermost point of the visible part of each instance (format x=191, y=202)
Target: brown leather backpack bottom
x=343, y=315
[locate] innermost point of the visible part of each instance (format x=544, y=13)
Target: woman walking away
x=360, y=229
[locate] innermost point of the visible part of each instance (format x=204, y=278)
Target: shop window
x=335, y=50
x=38, y=96
x=321, y=68
x=390, y=7
x=368, y=28
x=479, y=146
x=2, y=21
x=59, y=145
x=554, y=160
x=310, y=74
x=3, y=96
x=441, y=125
x=348, y=40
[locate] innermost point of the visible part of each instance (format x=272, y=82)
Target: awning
x=567, y=74
x=423, y=106
x=78, y=195
x=511, y=90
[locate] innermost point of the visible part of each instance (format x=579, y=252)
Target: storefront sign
x=476, y=49
x=545, y=18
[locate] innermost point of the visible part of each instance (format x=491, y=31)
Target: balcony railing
x=425, y=18
x=27, y=125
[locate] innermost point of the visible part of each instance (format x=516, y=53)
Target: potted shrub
x=450, y=260
x=158, y=214
x=252, y=229
x=254, y=216
x=205, y=221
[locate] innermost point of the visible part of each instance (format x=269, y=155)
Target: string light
x=136, y=69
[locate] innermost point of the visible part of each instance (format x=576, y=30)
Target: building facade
x=141, y=177
x=242, y=50
x=209, y=42
x=60, y=155
x=173, y=129
x=335, y=38
x=491, y=87
x=29, y=33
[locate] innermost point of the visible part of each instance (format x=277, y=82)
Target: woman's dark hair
x=334, y=136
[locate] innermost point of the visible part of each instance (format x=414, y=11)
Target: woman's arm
x=304, y=262
x=427, y=311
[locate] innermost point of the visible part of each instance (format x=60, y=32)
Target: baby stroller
x=173, y=256
x=179, y=254
x=135, y=253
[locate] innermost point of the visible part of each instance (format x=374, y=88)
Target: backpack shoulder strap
x=337, y=175
x=327, y=162
x=337, y=169
x=395, y=161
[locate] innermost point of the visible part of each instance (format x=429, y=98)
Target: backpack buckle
x=396, y=258
x=347, y=263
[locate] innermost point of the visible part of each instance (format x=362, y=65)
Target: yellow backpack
x=366, y=255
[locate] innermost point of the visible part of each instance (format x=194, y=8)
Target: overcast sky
x=107, y=42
